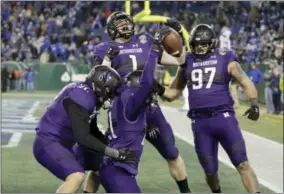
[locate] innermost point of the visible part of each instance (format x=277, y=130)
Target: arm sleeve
x=232, y=56
x=138, y=99
x=99, y=54
x=79, y=118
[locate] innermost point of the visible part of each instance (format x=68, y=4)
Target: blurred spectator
x=13, y=79
x=4, y=79
x=30, y=80
x=281, y=88
x=272, y=92
x=254, y=74
x=22, y=81
x=268, y=92
x=55, y=32
x=276, y=95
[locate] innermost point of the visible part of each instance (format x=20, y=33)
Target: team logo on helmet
x=106, y=76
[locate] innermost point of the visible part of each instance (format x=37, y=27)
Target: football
x=172, y=43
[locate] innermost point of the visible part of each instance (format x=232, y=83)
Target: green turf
x=36, y=94
x=21, y=173
x=270, y=127
x=41, y=109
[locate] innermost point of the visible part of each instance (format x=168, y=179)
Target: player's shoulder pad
x=83, y=95
x=144, y=37
x=224, y=51
x=101, y=48
x=228, y=53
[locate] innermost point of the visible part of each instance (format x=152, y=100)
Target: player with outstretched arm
x=134, y=50
x=207, y=73
x=127, y=122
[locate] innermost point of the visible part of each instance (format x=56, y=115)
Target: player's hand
x=173, y=23
x=158, y=88
x=159, y=35
x=152, y=131
x=252, y=113
x=126, y=155
x=112, y=52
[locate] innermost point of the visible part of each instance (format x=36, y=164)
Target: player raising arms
x=207, y=73
x=134, y=51
x=127, y=122
x=66, y=121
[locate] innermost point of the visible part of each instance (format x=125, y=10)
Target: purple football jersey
x=208, y=79
x=127, y=116
x=133, y=54
x=125, y=133
x=55, y=123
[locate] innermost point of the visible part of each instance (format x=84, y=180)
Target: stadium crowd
x=68, y=31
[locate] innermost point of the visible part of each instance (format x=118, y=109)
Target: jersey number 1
x=197, y=77
x=134, y=62
x=112, y=134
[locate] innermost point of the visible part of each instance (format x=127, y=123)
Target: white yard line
x=14, y=141
x=266, y=156
x=29, y=116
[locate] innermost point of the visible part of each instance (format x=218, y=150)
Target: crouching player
x=66, y=121
x=127, y=122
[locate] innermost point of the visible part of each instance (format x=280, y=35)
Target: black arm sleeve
x=79, y=118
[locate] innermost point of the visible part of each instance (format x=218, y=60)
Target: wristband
x=160, y=89
x=113, y=153
x=253, y=102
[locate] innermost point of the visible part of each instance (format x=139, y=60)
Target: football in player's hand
x=172, y=43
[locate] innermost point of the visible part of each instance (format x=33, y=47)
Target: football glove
x=112, y=52
x=252, y=112
x=152, y=131
x=173, y=23
x=158, y=88
x=126, y=155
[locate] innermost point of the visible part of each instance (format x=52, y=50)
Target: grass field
x=21, y=173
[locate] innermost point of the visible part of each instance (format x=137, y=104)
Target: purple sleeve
x=137, y=100
x=100, y=50
x=232, y=56
x=83, y=96
x=149, y=39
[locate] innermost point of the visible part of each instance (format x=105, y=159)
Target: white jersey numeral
x=113, y=136
x=134, y=62
x=197, y=76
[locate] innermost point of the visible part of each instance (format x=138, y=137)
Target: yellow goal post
x=145, y=16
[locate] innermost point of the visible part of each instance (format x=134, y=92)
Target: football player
x=127, y=122
x=134, y=50
x=66, y=122
x=207, y=73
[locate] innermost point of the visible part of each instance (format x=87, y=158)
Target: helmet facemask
x=120, y=25
x=124, y=27
x=201, y=49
